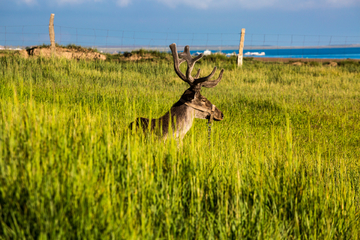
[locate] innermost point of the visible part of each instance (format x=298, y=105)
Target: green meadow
x=283, y=164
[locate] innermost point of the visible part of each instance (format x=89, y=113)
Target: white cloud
x=123, y=3
x=211, y=4
x=201, y=4
x=258, y=4
x=61, y=2
x=71, y=1
x=28, y=2
x=344, y=3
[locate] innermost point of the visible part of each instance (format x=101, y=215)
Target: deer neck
x=182, y=118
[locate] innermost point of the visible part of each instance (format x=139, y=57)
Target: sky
x=197, y=22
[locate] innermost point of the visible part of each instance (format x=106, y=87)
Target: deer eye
x=203, y=100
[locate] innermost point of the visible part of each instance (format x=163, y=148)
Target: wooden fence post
x=241, y=48
x=52, y=34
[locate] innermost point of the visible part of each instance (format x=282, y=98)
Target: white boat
x=231, y=54
x=254, y=54
x=207, y=52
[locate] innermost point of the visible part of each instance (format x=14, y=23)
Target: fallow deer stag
x=191, y=104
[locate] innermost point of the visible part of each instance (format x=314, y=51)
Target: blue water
x=331, y=53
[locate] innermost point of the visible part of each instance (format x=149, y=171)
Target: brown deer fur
x=191, y=104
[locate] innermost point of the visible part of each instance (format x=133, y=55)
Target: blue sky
x=159, y=21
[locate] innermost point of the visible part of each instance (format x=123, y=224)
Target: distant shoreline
x=111, y=49
x=287, y=60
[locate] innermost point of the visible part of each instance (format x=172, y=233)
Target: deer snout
x=218, y=115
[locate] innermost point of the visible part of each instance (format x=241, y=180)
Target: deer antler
x=206, y=80
x=196, y=82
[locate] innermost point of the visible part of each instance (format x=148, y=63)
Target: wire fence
x=23, y=36
x=111, y=41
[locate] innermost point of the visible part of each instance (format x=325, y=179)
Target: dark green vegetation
x=69, y=46
x=283, y=164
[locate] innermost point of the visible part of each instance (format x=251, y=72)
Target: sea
x=330, y=53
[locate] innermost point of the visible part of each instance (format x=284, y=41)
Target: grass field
x=283, y=164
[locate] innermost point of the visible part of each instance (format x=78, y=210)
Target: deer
x=179, y=119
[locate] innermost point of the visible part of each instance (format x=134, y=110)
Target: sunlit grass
x=284, y=162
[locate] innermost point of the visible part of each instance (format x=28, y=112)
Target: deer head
x=204, y=109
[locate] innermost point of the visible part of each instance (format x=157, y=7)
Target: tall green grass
x=284, y=162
